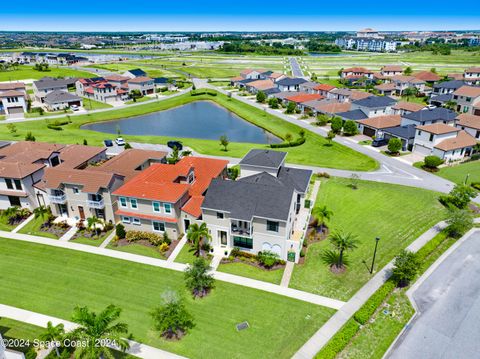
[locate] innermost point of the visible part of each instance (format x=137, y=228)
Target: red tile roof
x=427, y=76
x=324, y=87
x=304, y=97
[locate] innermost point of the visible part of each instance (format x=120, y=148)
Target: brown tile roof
x=261, y=84
x=386, y=87
x=468, y=120
x=11, y=93
x=468, y=91
x=382, y=121
x=392, y=68
x=116, y=78
x=427, y=76
x=474, y=70
x=359, y=95
x=12, y=86
x=455, y=76
x=409, y=106
x=408, y=79
x=438, y=128
x=276, y=75
x=357, y=69
x=333, y=107
x=91, y=181
x=324, y=87
x=237, y=78
x=73, y=156
x=462, y=140
x=140, y=79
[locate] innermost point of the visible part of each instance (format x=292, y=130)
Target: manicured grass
x=53, y=281
x=89, y=104
x=96, y=241
x=13, y=329
x=4, y=226
x=458, y=173
x=25, y=72
x=139, y=249
x=396, y=214
x=185, y=256
x=141, y=99
x=246, y=270
x=315, y=151
x=33, y=228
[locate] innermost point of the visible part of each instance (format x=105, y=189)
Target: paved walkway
x=107, y=240
x=23, y=224
x=177, y=250
x=217, y=258
x=326, y=332
x=230, y=278
x=137, y=349
x=70, y=233
x=287, y=274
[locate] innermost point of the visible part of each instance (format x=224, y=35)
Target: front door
x=186, y=223
x=223, y=238
x=63, y=210
x=82, y=212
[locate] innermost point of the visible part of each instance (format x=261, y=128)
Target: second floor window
x=156, y=206
x=75, y=190
x=272, y=226
x=167, y=207
x=13, y=184
x=220, y=215
x=123, y=202
x=133, y=203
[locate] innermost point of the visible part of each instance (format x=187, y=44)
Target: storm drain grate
x=242, y=326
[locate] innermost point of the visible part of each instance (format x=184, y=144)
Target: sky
x=238, y=15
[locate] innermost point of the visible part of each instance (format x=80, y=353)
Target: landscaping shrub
x=366, y=310
x=394, y=145
x=350, y=128
x=475, y=185
x=152, y=238
x=322, y=120
x=339, y=341
x=298, y=142
x=166, y=239
x=459, y=221
x=54, y=127
x=267, y=258
x=432, y=162
x=323, y=174
x=458, y=197
x=405, y=268
x=307, y=203
x=163, y=247
x=120, y=231
x=337, y=124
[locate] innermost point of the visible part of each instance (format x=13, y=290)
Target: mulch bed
x=252, y=263
x=55, y=230
x=144, y=242
x=313, y=235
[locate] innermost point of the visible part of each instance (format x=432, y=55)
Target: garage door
x=422, y=150
x=13, y=110
x=370, y=132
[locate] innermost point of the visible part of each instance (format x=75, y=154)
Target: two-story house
x=472, y=75
x=469, y=123
x=356, y=73
x=258, y=211
x=404, y=108
x=468, y=99
x=167, y=198
x=429, y=116
x=145, y=85
x=46, y=85
x=391, y=70
x=403, y=83
x=374, y=106
x=447, y=142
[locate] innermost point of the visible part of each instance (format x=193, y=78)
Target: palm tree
x=41, y=212
x=409, y=92
x=53, y=334
x=95, y=329
x=92, y=223
x=195, y=235
x=341, y=242
x=11, y=211
x=322, y=215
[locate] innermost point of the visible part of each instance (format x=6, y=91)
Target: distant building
x=369, y=33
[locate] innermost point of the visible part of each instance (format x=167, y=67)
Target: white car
x=429, y=107
x=120, y=141
x=75, y=107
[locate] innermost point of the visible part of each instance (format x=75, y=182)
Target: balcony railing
x=236, y=230
x=61, y=199
x=96, y=204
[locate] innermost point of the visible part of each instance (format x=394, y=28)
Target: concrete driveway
x=447, y=324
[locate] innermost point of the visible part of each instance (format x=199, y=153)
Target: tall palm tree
x=322, y=215
x=342, y=241
x=53, y=334
x=409, y=92
x=41, y=212
x=96, y=330
x=195, y=235
x=92, y=223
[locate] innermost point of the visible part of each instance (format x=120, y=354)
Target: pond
x=199, y=119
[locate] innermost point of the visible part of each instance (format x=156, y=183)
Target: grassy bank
x=27, y=72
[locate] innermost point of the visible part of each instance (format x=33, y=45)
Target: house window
x=156, y=206
x=167, y=207
x=133, y=203
x=123, y=202
x=75, y=190
x=477, y=135
x=431, y=137
x=125, y=219
x=158, y=226
x=243, y=242
x=18, y=184
x=136, y=221
x=419, y=133
x=272, y=226
x=220, y=215
x=55, y=161
x=191, y=178
x=9, y=183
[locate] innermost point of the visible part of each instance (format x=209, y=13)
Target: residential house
x=309, y=87
x=340, y=94
x=290, y=83
x=386, y=89
x=134, y=73
x=447, y=87
x=355, y=73
x=404, y=108
x=406, y=134
x=373, y=127
x=13, y=99
x=145, y=85
x=374, y=106
x=100, y=89
x=427, y=76
x=468, y=99
x=326, y=106
x=117, y=80
x=259, y=85
x=300, y=98
x=403, y=82
x=324, y=89
x=167, y=198
x=472, y=75
x=391, y=70
x=251, y=74
x=59, y=100
x=469, y=123
x=46, y=85
x=447, y=142
x=429, y=116
x=258, y=212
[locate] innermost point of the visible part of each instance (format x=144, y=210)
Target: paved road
x=448, y=316
x=296, y=69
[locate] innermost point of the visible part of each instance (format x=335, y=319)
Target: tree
x=322, y=119
x=127, y=146
x=233, y=172
x=53, y=335
x=405, y=268
x=337, y=124
x=408, y=71
x=302, y=133
x=394, y=145
x=97, y=328
x=12, y=128
x=432, y=162
x=341, y=242
x=354, y=179
x=85, y=142
x=174, y=157
x=195, y=235
x=459, y=196
x=29, y=137
x=261, y=97
x=288, y=137
x=224, y=142
x=330, y=136
x=409, y=92
x=291, y=107
x=92, y=223
x=172, y=319
x=273, y=103
x=321, y=214
x=135, y=94
x=459, y=221
x=42, y=212
x=450, y=105
x=198, y=278
x=350, y=128
x=120, y=231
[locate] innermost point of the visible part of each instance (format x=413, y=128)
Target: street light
x=374, y=254
x=466, y=178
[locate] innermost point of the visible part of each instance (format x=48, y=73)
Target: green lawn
x=89, y=104
x=246, y=270
x=13, y=329
x=139, y=249
x=4, y=226
x=53, y=281
x=141, y=99
x=396, y=214
x=25, y=72
x=458, y=173
x=96, y=241
x=33, y=228
x=185, y=256
x=315, y=151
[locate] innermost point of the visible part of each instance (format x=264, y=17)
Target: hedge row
x=370, y=306
x=198, y=93
x=297, y=142
x=54, y=127
x=339, y=340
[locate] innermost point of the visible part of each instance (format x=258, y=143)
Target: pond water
x=199, y=119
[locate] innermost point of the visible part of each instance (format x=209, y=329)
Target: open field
x=53, y=281
x=25, y=72
x=396, y=214
x=459, y=173
x=315, y=151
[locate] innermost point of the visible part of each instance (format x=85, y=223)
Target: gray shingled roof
x=50, y=82
x=59, y=96
x=375, y=101
x=407, y=132
x=299, y=178
x=453, y=84
x=436, y=114
x=264, y=158
x=291, y=81
x=354, y=115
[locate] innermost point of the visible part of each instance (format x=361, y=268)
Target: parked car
x=75, y=107
x=429, y=107
x=379, y=142
x=120, y=141
x=108, y=143
x=173, y=144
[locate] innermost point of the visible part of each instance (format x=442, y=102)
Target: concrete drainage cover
x=242, y=326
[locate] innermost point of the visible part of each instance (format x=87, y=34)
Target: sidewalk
x=70, y=233
x=138, y=349
x=178, y=248
x=23, y=224
x=328, y=330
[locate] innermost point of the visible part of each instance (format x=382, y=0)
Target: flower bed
x=162, y=244
x=264, y=260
